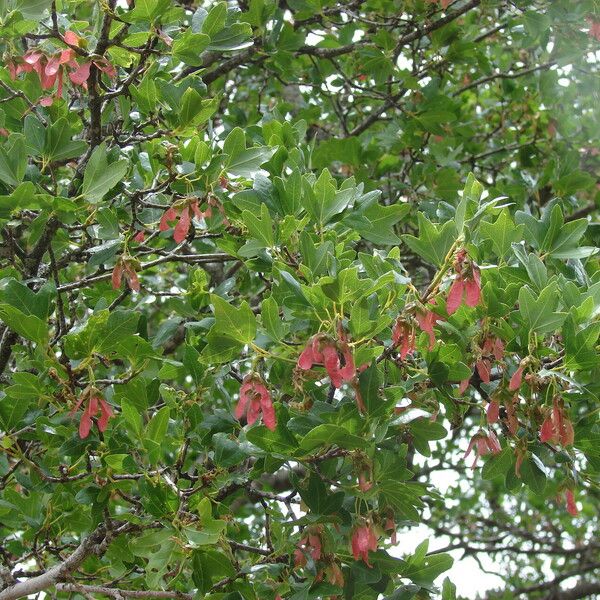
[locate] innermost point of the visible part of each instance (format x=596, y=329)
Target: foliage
x=270, y=269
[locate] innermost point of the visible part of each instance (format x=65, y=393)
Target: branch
x=549, y=585
x=508, y=148
x=211, y=57
x=374, y=116
x=88, y=546
x=582, y=212
x=515, y=75
x=331, y=52
x=419, y=33
x=585, y=589
x=188, y=258
x=119, y=593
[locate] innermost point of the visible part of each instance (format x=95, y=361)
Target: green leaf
x=26, y=300
x=209, y=565
x=121, y=324
x=538, y=313
x=375, y=222
x=35, y=134
x=369, y=383
x=497, y=464
x=33, y=9
x=247, y=162
x=26, y=325
x=13, y=160
x=424, y=572
x=220, y=348
x=281, y=441
x=423, y=430
x=59, y=144
x=328, y=435
x=146, y=11
x=132, y=417
x=228, y=452
x=11, y=412
x=581, y=353
x=260, y=229
x=319, y=499
x=215, y=19
x=158, y=424
x=238, y=324
x=188, y=48
x=325, y=201
x=502, y=233
x=100, y=176
x=271, y=320
x=234, y=37
x=194, y=111
x=434, y=241
x=448, y=590
x=533, y=476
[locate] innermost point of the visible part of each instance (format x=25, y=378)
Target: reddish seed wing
x=471, y=445
x=515, y=380
x=498, y=349
x=472, y=293
x=242, y=404
x=182, y=228
x=484, y=369
x=306, y=359
x=132, y=279
x=571, y=506
x=455, y=296
x=363, y=540
x=196, y=210
x=117, y=276
x=85, y=425
x=332, y=365
x=314, y=543
x=81, y=74
x=316, y=348
x=360, y=403
x=493, y=443
x=33, y=58
x=168, y=216
x=567, y=435
x=105, y=414
x=396, y=333
x=266, y=404
x=547, y=430
x=71, y=38
x=253, y=409
x=426, y=322
x=364, y=485
x=299, y=558
x=52, y=66
x=106, y=67
x=493, y=411
x=59, y=87
x=348, y=371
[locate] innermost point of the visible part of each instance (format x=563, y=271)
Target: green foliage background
x=341, y=154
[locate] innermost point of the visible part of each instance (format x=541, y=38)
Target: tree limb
x=87, y=547
x=119, y=593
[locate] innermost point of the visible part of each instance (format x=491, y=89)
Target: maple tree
x=285, y=283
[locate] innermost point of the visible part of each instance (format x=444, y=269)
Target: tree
x=270, y=268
